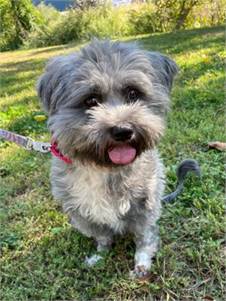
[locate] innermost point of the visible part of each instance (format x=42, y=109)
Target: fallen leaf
x=217, y=145
x=209, y=298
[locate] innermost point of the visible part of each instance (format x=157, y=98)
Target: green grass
x=42, y=256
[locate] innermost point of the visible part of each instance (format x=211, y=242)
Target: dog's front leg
x=102, y=235
x=103, y=245
x=147, y=242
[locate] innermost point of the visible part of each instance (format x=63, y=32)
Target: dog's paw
x=140, y=272
x=92, y=260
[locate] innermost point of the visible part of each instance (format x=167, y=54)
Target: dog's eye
x=132, y=94
x=92, y=101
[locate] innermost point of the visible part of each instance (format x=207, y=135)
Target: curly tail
x=182, y=170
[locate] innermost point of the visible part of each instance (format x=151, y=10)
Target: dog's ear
x=165, y=68
x=52, y=83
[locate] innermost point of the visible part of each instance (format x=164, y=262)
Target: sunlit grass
x=42, y=257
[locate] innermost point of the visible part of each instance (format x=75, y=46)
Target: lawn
x=42, y=256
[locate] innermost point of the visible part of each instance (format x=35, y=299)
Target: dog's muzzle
x=123, y=153
x=121, y=133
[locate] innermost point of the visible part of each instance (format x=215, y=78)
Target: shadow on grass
x=10, y=78
x=24, y=101
x=55, y=48
x=184, y=41
x=45, y=261
x=14, y=89
x=49, y=49
x=26, y=65
x=195, y=99
x=179, y=42
x=53, y=268
x=27, y=125
x=195, y=70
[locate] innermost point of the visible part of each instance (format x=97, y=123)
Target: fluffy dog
x=106, y=105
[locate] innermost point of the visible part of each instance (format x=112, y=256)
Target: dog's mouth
x=122, y=154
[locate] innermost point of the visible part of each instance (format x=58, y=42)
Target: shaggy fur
x=89, y=94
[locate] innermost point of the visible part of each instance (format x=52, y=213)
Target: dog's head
x=107, y=103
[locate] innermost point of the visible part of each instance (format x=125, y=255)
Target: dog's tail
x=182, y=170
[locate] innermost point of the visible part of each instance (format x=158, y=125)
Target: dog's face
x=107, y=103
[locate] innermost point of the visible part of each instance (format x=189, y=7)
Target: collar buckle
x=42, y=147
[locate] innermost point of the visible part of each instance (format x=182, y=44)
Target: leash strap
x=25, y=142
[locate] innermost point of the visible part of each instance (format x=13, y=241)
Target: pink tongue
x=122, y=154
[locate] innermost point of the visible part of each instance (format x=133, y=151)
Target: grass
x=42, y=256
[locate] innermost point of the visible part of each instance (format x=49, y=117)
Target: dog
x=106, y=108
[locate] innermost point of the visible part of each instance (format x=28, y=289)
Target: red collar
x=55, y=152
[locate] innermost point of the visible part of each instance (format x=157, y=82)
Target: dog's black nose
x=121, y=133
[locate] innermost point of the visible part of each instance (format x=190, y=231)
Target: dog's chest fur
x=98, y=196
x=93, y=198
x=105, y=197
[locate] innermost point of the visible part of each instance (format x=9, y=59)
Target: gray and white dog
x=106, y=105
